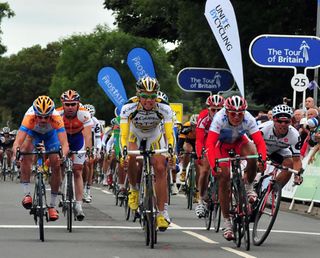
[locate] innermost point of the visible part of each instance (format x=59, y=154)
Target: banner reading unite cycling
x=223, y=23
x=111, y=83
x=140, y=63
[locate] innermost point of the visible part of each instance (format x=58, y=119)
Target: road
x=105, y=233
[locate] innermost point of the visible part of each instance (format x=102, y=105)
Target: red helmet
x=70, y=96
x=215, y=101
x=235, y=103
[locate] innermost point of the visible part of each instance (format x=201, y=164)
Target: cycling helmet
x=147, y=84
x=163, y=96
x=193, y=119
x=14, y=132
x=90, y=108
x=215, y=101
x=282, y=111
x=235, y=103
x=70, y=96
x=6, y=129
x=43, y=106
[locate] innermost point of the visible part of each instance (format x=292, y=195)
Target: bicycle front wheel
x=40, y=208
x=69, y=200
x=267, y=213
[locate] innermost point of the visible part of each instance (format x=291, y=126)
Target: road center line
x=242, y=254
x=201, y=237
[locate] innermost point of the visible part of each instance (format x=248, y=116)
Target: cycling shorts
x=50, y=139
x=155, y=139
x=76, y=143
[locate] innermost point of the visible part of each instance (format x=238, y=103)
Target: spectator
x=298, y=114
x=270, y=115
x=309, y=103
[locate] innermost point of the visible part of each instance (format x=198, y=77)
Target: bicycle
x=265, y=209
x=190, y=184
x=239, y=209
x=4, y=167
x=68, y=195
x=147, y=197
x=213, y=209
x=39, y=208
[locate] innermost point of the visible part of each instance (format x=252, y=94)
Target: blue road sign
x=211, y=80
x=285, y=51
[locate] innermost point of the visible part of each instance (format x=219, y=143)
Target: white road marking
x=242, y=254
x=106, y=192
x=201, y=237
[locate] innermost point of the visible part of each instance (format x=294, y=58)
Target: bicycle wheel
x=216, y=216
x=69, y=200
x=169, y=185
x=267, y=213
x=191, y=185
x=150, y=211
x=244, y=217
x=40, y=208
x=208, y=214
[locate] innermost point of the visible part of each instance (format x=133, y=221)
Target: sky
x=44, y=21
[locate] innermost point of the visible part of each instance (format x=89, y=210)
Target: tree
x=24, y=77
x=5, y=12
x=83, y=56
x=182, y=21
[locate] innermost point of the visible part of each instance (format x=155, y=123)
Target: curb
x=300, y=208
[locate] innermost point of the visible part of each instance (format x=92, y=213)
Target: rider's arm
x=200, y=132
x=260, y=144
x=168, y=128
x=21, y=135
x=124, y=132
x=210, y=145
x=62, y=136
x=86, y=132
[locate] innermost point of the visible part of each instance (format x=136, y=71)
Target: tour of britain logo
x=291, y=56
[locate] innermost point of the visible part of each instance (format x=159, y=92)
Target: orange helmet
x=43, y=106
x=70, y=96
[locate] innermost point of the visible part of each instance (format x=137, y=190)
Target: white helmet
x=194, y=119
x=282, y=111
x=90, y=108
x=163, y=96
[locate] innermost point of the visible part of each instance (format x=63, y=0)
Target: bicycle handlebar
x=278, y=166
x=38, y=152
x=254, y=156
x=141, y=152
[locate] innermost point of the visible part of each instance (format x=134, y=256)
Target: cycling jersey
x=76, y=124
x=223, y=136
x=29, y=122
x=6, y=142
x=145, y=123
x=290, y=142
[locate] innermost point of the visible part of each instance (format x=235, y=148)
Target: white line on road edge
x=106, y=192
x=61, y=226
x=201, y=237
x=242, y=254
x=174, y=226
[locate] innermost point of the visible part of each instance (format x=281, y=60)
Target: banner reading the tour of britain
x=223, y=23
x=140, y=63
x=111, y=83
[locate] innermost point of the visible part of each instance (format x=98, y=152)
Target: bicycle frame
x=147, y=196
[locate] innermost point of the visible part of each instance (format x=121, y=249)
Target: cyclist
x=187, y=143
x=283, y=142
x=228, y=131
x=89, y=165
x=140, y=119
x=6, y=142
x=78, y=125
x=214, y=103
x=105, y=138
x=41, y=123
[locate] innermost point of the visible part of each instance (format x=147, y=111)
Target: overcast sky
x=44, y=21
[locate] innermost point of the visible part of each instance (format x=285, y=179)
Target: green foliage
x=84, y=55
x=183, y=21
x=24, y=77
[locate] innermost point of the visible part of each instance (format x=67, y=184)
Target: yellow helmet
x=147, y=84
x=43, y=106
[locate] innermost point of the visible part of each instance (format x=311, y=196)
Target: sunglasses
x=280, y=121
x=236, y=113
x=214, y=109
x=70, y=104
x=148, y=96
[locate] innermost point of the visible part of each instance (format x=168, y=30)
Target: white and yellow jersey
x=134, y=118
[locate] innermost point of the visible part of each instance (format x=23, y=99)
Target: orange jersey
x=76, y=124
x=29, y=122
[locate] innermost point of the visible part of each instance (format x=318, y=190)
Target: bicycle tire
x=208, y=215
x=69, y=200
x=245, y=217
x=216, y=217
x=150, y=210
x=191, y=186
x=273, y=190
x=40, y=209
x=169, y=186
